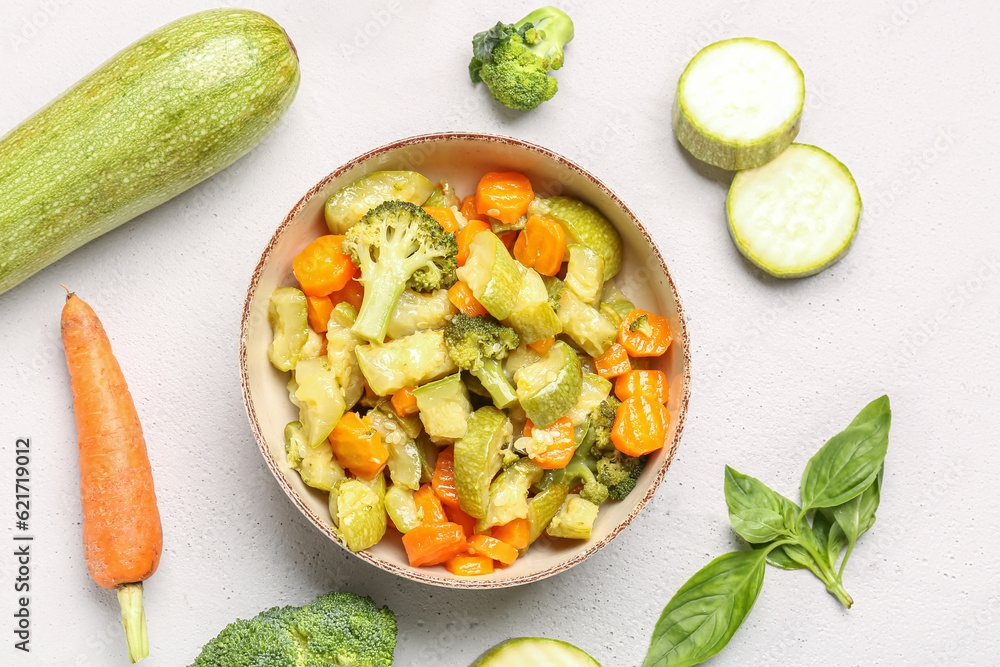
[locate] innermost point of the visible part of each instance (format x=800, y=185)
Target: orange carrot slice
x=614, y=362
x=491, y=547
x=640, y=426
x=649, y=338
x=504, y=196
x=541, y=245
x=465, y=565
x=430, y=544
x=322, y=267
x=461, y=296
x=443, y=481
x=651, y=384
x=358, y=446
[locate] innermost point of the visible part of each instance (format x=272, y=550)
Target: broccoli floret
x=641, y=324
x=513, y=60
x=619, y=472
x=602, y=422
x=397, y=245
x=582, y=469
x=335, y=629
x=478, y=345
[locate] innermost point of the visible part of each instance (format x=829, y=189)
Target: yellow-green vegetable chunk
x=318, y=397
x=509, y=494
x=586, y=226
x=402, y=509
x=444, y=408
x=575, y=520
x=420, y=311
x=361, y=515
x=289, y=317
x=478, y=459
x=492, y=274
x=548, y=388
x=349, y=204
x=405, y=362
x=315, y=463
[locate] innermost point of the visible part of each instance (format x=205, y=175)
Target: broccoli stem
x=495, y=382
x=134, y=620
x=382, y=292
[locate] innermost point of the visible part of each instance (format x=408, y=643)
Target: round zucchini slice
x=796, y=215
x=739, y=103
x=535, y=652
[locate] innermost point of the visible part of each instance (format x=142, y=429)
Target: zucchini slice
x=535, y=652
x=739, y=103
x=551, y=386
x=349, y=204
x=478, y=459
x=797, y=214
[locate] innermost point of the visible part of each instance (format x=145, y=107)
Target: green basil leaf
x=704, y=614
x=781, y=558
x=858, y=514
x=849, y=462
x=835, y=543
x=757, y=513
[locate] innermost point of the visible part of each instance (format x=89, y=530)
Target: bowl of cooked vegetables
x=464, y=360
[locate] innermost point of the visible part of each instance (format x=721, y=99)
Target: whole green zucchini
x=167, y=112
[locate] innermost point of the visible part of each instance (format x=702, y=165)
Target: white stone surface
x=905, y=92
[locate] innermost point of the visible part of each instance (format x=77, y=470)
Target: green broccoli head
x=397, y=245
x=478, y=344
x=255, y=642
x=641, y=325
x=335, y=629
x=513, y=60
x=602, y=422
x=471, y=340
x=619, y=473
x=344, y=629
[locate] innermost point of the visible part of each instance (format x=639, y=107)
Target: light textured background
x=905, y=92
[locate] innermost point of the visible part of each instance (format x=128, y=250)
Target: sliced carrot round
x=640, y=426
x=648, y=383
x=322, y=267
x=649, y=337
x=484, y=545
x=465, y=565
x=430, y=544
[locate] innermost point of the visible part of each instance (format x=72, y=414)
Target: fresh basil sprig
x=841, y=488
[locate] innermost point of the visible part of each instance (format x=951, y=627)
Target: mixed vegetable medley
x=466, y=371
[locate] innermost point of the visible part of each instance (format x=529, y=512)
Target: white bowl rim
x=427, y=577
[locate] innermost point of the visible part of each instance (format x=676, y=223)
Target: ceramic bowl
x=461, y=159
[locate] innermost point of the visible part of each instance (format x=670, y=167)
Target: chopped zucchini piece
x=420, y=311
x=574, y=520
x=478, y=458
x=492, y=274
x=585, y=274
x=593, y=390
x=614, y=304
x=739, y=103
x=444, y=408
x=509, y=494
x=341, y=343
x=532, y=316
x=588, y=328
x=518, y=358
x=404, y=458
x=289, y=318
x=402, y=509
x=361, y=516
x=535, y=652
x=548, y=388
x=315, y=463
x=318, y=397
x=586, y=226
x=443, y=195
x=797, y=214
x=428, y=452
x=405, y=362
x=349, y=204
x=313, y=346
x=543, y=507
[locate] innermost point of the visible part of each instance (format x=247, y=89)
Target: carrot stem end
x=134, y=621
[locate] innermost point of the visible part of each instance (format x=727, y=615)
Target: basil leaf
x=704, y=614
x=757, y=513
x=849, y=462
x=858, y=514
x=779, y=557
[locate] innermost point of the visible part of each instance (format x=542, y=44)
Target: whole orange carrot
x=122, y=537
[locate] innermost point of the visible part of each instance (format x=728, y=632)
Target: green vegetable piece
x=585, y=274
x=318, y=397
x=850, y=461
x=548, y=388
x=535, y=652
x=509, y=494
x=543, y=507
x=810, y=216
x=288, y=314
x=405, y=362
x=361, y=514
x=574, y=520
x=404, y=457
x=705, y=613
x=315, y=463
x=586, y=226
x=340, y=352
x=395, y=246
x=478, y=458
x=619, y=473
x=614, y=304
x=532, y=315
x=478, y=345
x=428, y=452
x=420, y=311
x=402, y=509
x=334, y=629
x=176, y=106
x=492, y=274
x=757, y=513
x=349, y=204
x=586, y=325
x=513, y=60
x=444, y=408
